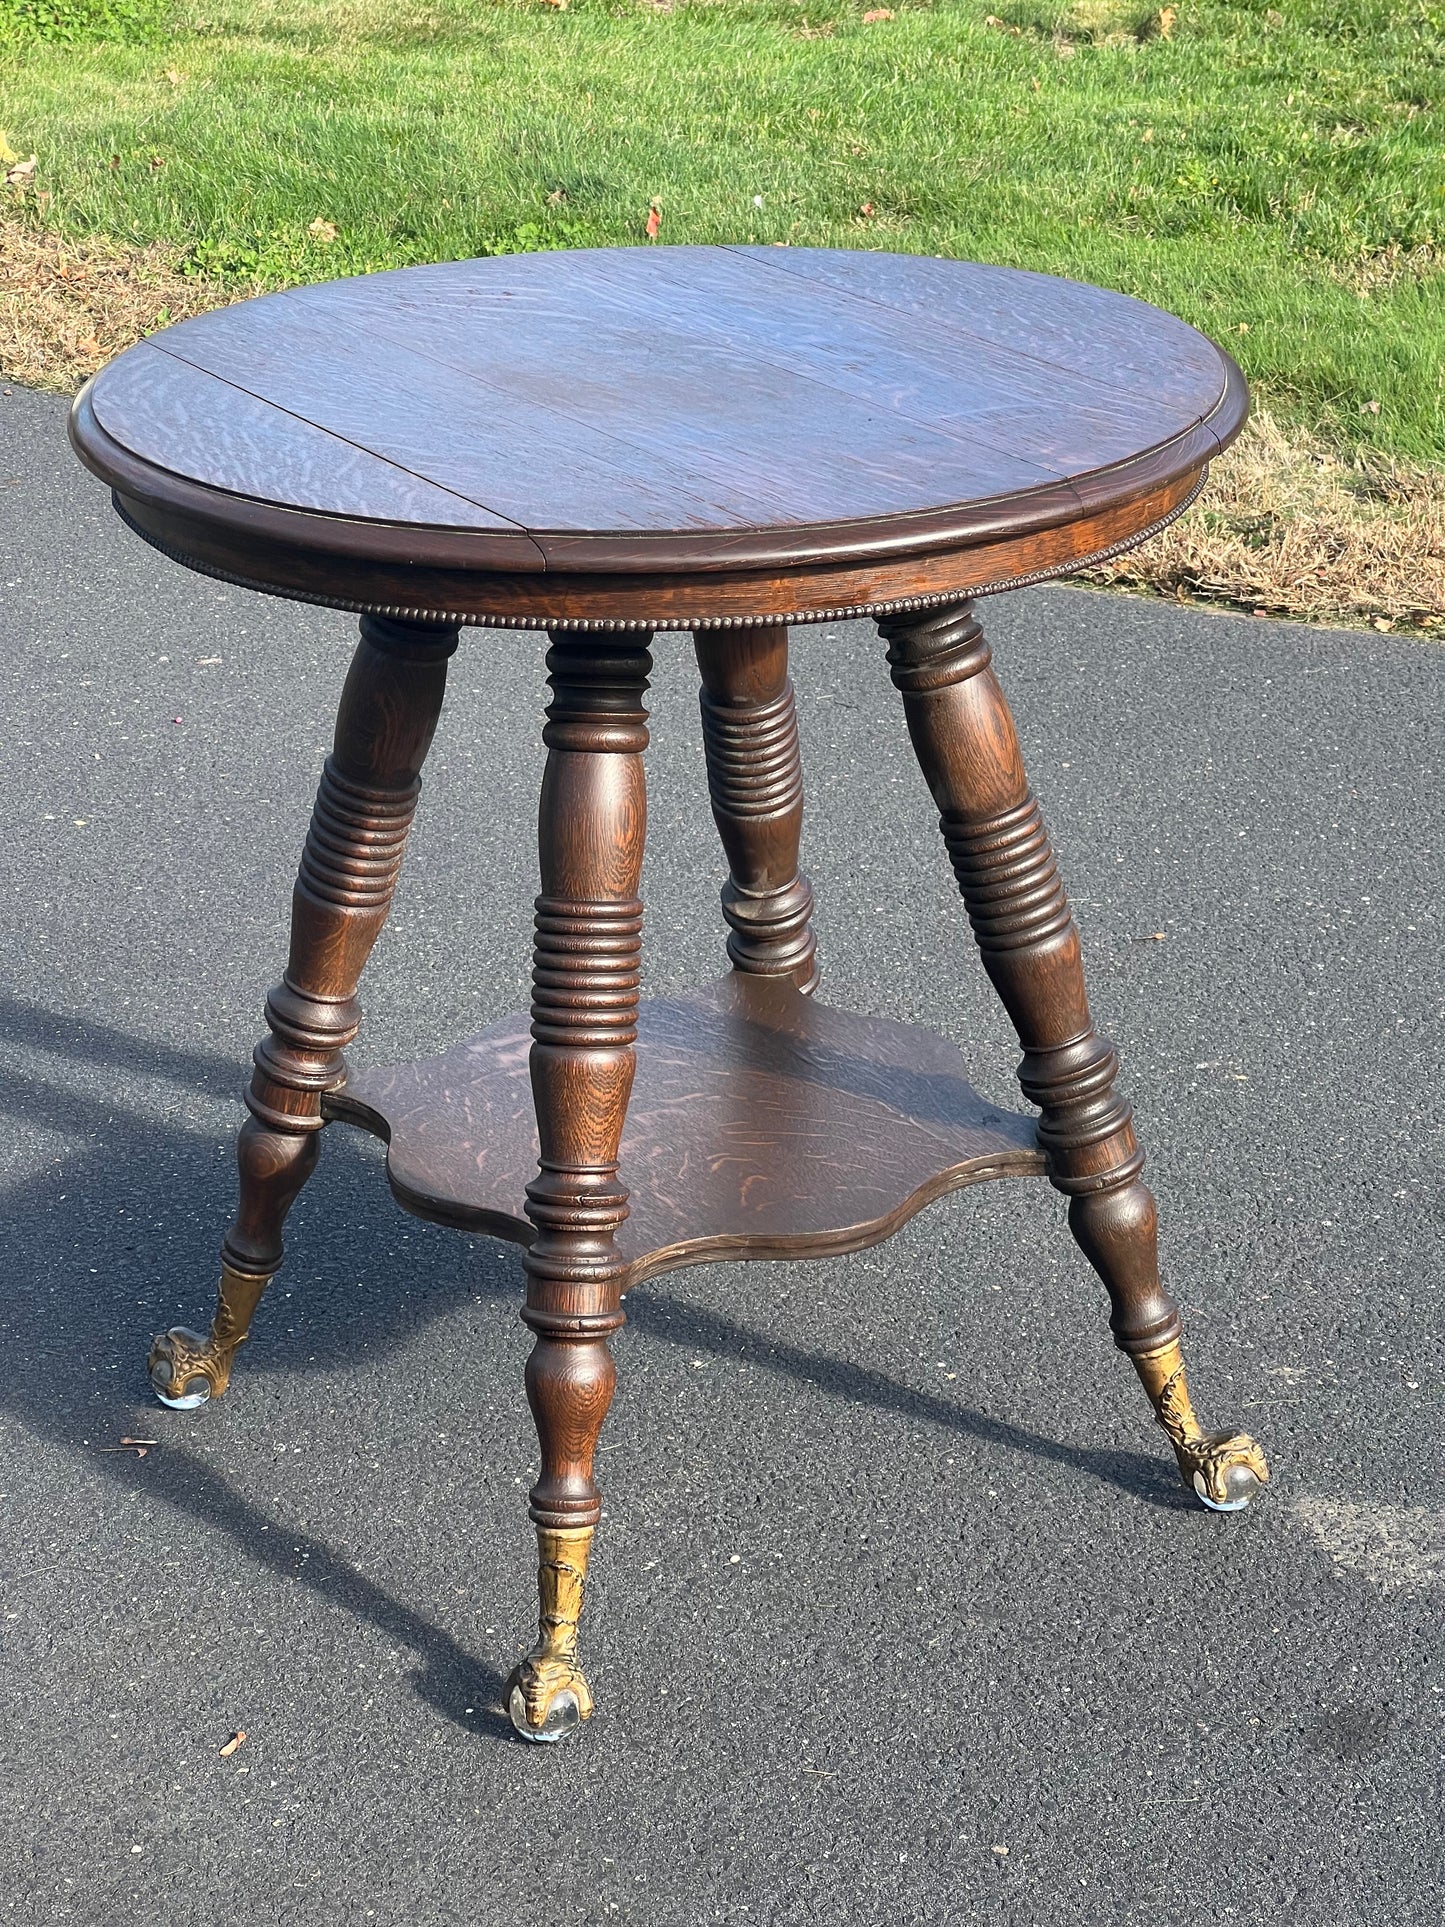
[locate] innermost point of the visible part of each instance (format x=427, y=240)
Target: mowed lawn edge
x=1275, y=175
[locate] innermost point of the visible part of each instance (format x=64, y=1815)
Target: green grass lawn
x=1274, y=174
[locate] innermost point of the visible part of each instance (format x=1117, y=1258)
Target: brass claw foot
x=185, y=1369
x=1224, y=1470
x=547, y=1695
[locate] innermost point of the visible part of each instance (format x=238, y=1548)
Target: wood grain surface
x=755, y=780
x=968, y=751
x=763, y=1124
x=811, y=430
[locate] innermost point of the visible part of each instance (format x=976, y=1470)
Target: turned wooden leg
x=585, y=977
x=364, y=807
x=755, y=776
x=969, y=754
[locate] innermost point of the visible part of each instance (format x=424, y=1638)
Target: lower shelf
x=763, y=1124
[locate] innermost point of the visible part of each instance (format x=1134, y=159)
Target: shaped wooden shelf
x=763, y=1124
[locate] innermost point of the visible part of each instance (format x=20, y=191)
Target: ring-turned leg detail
x=349, y=868
x=755, y=778
x=585, y=977
x=968, y=750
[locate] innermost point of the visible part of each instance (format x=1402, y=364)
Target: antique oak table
x=601, y=445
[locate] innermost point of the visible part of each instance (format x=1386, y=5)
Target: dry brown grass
x=67, y=306
x=1289, y=527
x=1286, y=527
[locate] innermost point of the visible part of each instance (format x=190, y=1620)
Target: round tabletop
x=660, y=437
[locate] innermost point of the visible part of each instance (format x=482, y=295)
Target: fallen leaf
x=158, y=161
x=1147, y=135
x=654, y=220
x=1167, y=17
x=1383, y=622
x=867, y=208
x=22, y=174
x=173, y=77
x=234, y=1744
x=877, y=13
x=1369, y=408
x=322, y=230
x=139, y=1446
x=7, y=152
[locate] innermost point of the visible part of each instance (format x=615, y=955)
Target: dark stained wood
x=968, y=751
x=349, y=868
x=163, y=402
x=755, y=778
x=798, y=591
x=1063, y=324
x=646, y=425
x=724, y=440
x=586, y=969
x=762, y=1124
x=415, y=414
x=687, y=436
x=934, y=369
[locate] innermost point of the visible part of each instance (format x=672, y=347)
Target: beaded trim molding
x=903, y=605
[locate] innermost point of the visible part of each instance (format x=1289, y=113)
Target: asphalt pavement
x=898, y=1614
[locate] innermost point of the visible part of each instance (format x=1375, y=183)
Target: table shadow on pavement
x=85, y=1324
